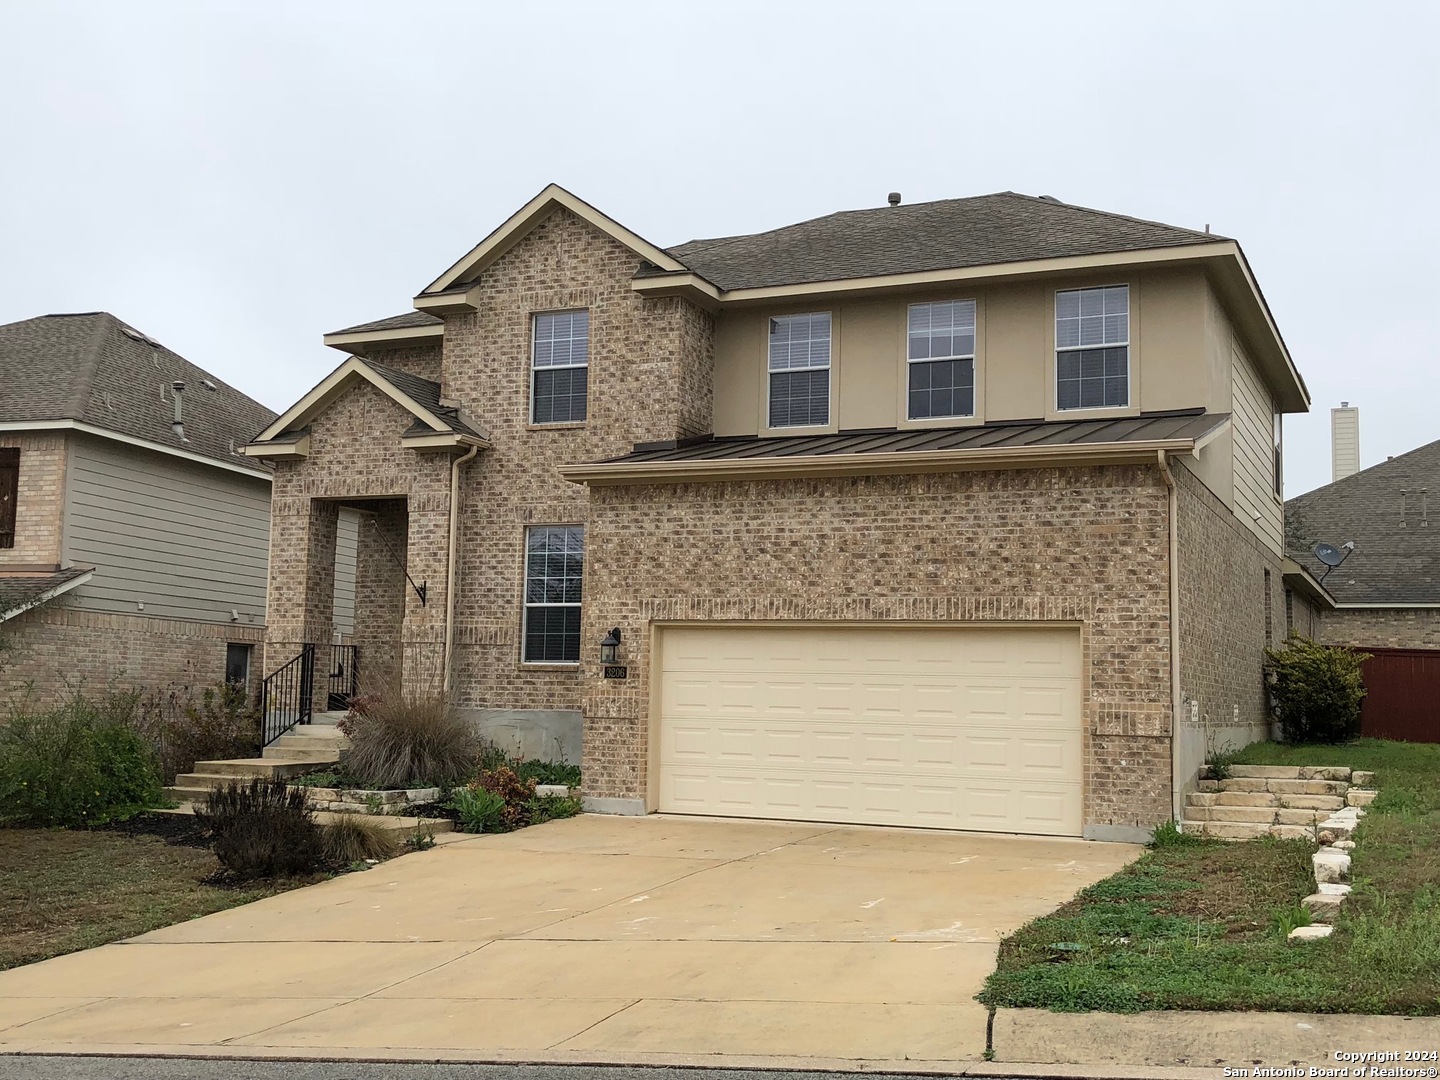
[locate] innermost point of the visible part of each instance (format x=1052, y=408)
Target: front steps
x=1275, y=800
x=304, y=748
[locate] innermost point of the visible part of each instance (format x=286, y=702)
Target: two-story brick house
x=940, y=514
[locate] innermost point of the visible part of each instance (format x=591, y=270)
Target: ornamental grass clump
x=409, y=740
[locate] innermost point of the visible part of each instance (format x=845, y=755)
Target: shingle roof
x=408, y=320
x=20, y=592
x=426, y=393
x=1188, y=424
x=85, y=367
x=1396, y=558
x=945, y=235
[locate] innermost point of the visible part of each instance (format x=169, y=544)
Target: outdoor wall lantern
x=610, y=647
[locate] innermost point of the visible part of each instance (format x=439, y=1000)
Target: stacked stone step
x=307, y=743
x=195, y=786
x=1289, y=802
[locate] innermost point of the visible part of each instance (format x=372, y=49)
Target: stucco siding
x=185, y=541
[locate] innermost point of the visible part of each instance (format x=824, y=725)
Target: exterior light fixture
x=610, y=647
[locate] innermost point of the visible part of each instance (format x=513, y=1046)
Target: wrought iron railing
x=343, y=672
x=288, y=695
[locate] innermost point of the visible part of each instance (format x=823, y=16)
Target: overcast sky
x=236, y=179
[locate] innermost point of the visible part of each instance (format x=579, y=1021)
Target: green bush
x=545, y=808
x=77, y=764
x=1315, y=690
x=480, y=810
x=409, y=741
x=262, y=828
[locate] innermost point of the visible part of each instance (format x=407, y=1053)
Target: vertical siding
x=347, y=539
x=1253, y=425
x=189, y=542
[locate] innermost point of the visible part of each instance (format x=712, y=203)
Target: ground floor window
x=237, y=665
x=554, y=572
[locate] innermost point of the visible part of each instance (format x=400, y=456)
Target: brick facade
x=40, y=503
x=1382, y=628
x=1082, y=546
x=53, y=650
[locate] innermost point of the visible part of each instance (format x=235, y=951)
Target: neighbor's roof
x=1396, y=530
x=86, y=368
x=21, y=592
x=950, y=234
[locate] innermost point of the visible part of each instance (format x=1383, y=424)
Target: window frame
x=10, y=464
x=974, y=357
x=1131, y=306
x=829, y=369
x=535, y=317
x=526, y=605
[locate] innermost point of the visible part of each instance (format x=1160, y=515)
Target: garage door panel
x=955, y=728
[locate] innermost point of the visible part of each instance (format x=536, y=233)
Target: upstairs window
x=1092, y=348
x=941, y=359
x=554, y=577
x=800, y=370
x=9, y=494
x=560, y=367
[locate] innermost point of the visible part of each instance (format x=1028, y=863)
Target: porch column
x=301, y=605
x=380, y=591
x=427, y=554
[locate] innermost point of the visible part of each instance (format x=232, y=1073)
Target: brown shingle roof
x=952, y=233
x=408, y=320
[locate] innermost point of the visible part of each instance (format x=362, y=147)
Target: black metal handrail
x=344, y=675
x=287, y=697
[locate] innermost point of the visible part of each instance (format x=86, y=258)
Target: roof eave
x=48, y=595
x=244, y=468
x=1297, y=577
x=324, y=391
x=360, y=343
x=918, y=461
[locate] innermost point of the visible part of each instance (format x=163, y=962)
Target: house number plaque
x=615, y=671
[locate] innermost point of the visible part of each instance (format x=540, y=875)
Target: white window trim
x=535, y=317
x=526, y=605
x=974, y=374
x=829, y=367
x=1058, y=349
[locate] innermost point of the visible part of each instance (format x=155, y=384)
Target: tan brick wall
x=1382, y=628
x=40, y=502
x=421, y=360
x=648, y=380
x=1083, y=546
x=53, y=649
x=1225, y=624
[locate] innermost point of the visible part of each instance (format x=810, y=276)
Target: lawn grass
x=63, y=890
x=1201, y=924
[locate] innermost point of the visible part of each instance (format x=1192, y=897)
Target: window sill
x=568, y=425
x=526, y=665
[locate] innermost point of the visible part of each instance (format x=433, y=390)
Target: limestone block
x=1362, y=779
x=1330, y=865
x=1324, y=772
x=1201, y=798
x=1323, y=906
x=560, y=791
x=1267, y=772
x=1315, y=932
x=1359, y=797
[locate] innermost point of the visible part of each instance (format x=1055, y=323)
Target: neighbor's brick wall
x=648, y=380
x=52, y=650
x=1088, y=546
x=1224, y=627
x=1301, y=616
x=40, y=503
x=1382, y=628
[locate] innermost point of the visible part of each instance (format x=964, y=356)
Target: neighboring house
x=920, y=515
x=132, y=548
x=1384, y=598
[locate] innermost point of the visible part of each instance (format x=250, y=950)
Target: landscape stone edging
x=392, y=802
x=1331, y=863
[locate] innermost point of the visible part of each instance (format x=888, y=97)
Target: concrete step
x=1246, y=830
x=1264, y=798
x=1267, y=815
x=186, y=794
x=292, y=752
x=1254, y=784
x=311, y=731
x=247, y=767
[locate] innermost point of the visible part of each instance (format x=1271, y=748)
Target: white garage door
x=974, y=728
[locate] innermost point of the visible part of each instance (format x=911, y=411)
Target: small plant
x=326, y=778
x=517, y=794
x=422, y=839
x=1168, y=835
x=354, y=838
x=1316, y=690
x=480, y=810
x=545, y=808
x=262, y=828
x=1290, y=918
x=410, y=741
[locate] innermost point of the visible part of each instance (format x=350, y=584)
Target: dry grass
x=353, y=838
x=410, y=741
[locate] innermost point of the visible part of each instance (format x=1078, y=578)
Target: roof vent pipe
x=893, y=198
x=177, y=394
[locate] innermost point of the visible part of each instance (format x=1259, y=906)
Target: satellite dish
x=1329, y=554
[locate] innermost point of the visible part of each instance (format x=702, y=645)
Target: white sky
x=236, y=179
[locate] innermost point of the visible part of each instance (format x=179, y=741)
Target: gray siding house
x=134, y=539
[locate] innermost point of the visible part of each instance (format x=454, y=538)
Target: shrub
x=77, y=764
x=221, y=723
x=480, y=810
x=550, y=807
x=352, y=838
x=1315, y=690
x=517, y=794
x=262, y=828
x=542, y=772
x=410, y=741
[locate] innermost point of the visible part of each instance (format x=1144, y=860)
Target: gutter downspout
x=452, y=560
x=1175, y=703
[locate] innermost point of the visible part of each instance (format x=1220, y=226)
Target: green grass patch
x=1201, y=924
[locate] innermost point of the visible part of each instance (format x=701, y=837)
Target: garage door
x=974, y=728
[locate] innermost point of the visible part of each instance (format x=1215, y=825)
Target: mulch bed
x=180, y=830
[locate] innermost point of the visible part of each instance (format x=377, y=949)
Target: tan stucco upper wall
x=1174, y=354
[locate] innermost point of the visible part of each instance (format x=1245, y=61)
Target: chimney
x=1344, y=441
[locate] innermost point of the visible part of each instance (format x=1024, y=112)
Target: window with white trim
x=554, y=576
x=1092, y=348
x=799, y=367
x=940, y=359
x=560, y=367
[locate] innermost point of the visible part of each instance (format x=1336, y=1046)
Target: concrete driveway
x=595, y=939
